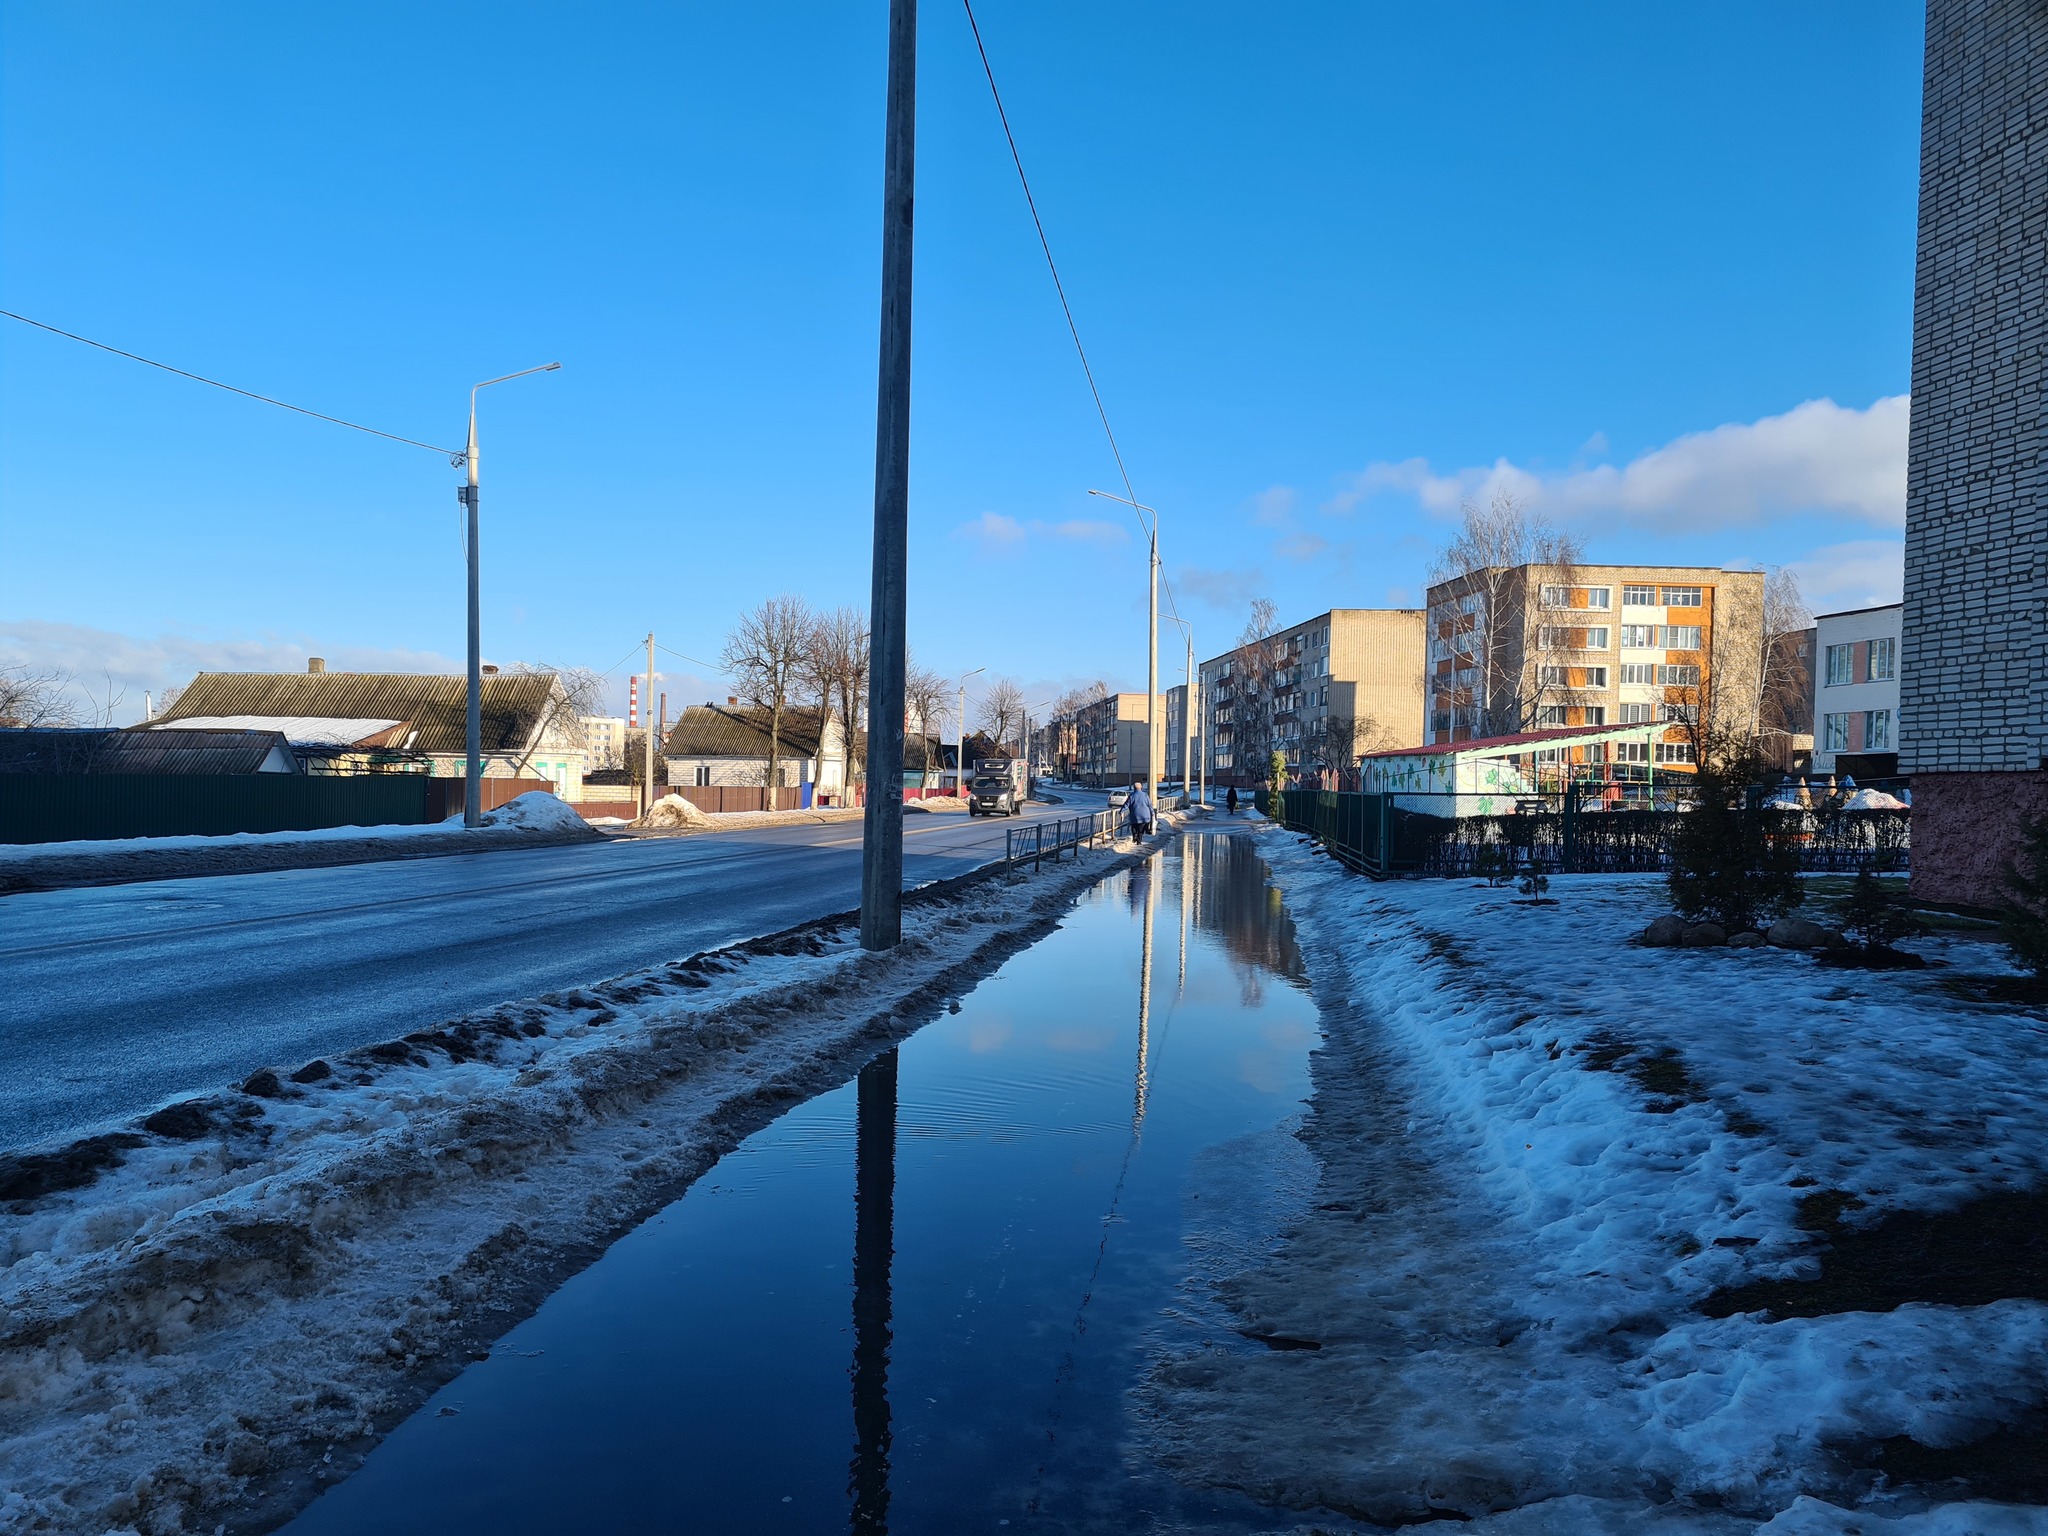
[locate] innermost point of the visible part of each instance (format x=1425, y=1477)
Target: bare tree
x=1257, y=661
x=1512, y=665
x=1002, y=711
x=1784, y=677
x=36, y=696
x=925, y=696
x=1065, y=724
x=577, y=692
x=837, y=671
x=766, y=655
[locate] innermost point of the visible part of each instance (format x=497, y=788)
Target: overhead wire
x=250, y=394
x=1059, y=287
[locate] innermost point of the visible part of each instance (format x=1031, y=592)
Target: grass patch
x=1993, y=1248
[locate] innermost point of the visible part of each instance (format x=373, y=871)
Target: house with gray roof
x=726, y=745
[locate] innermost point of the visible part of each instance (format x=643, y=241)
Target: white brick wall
x=1974, y=665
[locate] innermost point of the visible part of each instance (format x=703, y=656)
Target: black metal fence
x=1392, y=835
x=1044, y=840
x=61, y=807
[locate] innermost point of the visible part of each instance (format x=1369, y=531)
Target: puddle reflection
x=1021, y=1221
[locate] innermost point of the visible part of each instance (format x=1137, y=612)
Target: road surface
x=118, y=998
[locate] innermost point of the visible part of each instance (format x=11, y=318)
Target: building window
x=1594, y=714
x=1884, y=659
x=1841, y=665
x=1638, y=597
x=1638, y=637
x=1681, y=637
x=1595, y=598
x=1561, y=677
x=1635, y=714
x=1671, y=714
x=1549, y=716
x=1596, y=677
x=1679, y=677
x=1637, y=671
x=703, y=775
x=1877, y=730
x=1682, y=597
x=1440, y=721
x=1631, y=751
x=1674, y=751
x=1555, y=637
x=1834, y=735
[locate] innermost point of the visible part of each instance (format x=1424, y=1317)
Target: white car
x=1119, y=798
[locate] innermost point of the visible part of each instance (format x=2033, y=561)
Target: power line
x=1051, y=265
x=285, y=405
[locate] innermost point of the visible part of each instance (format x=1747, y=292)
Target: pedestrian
x=1230, y=800
x=1140, y=809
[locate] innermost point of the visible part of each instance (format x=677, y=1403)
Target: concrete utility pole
x=960, y=749
x=1153, y=740
x=647, y=792
x=1187, y=721
x=881, y=869
x=473, y=780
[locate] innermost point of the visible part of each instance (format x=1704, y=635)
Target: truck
x=999, y=787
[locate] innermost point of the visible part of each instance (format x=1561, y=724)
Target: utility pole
x=1187, y=721
x=647, y=794
x=473, y=780
x=1153, y=740
x=881, y=868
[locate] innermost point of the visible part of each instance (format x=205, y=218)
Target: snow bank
x=1873, y=800
x=1543, y=1149
x=673, y=811
x=265, y=1280
x=936, y=803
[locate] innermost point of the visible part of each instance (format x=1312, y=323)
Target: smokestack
x=633, y=702
x=315, y=665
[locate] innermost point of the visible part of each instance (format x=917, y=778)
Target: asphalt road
x=117, y=998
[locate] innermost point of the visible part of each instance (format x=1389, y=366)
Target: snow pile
x=674, y=811
x=936, y=803
x=1873, y=800
x=247, y=1286
x=1544, y=1150
x=535, y=811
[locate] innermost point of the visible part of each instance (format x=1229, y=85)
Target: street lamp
x=1151, y=647
x=960, y=752
x=473, y=781
x=1187, y=717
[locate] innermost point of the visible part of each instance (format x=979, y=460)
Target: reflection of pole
x=874, y=1247
x=1186, y=891
x=1145, y=993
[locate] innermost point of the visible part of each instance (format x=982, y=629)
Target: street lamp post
x=473, y=778
x=1152, y=742
x=960, y=752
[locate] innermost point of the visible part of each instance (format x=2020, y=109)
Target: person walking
x=1230, y=800
x=1140, y=809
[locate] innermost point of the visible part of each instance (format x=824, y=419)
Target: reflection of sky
x=696, y=1376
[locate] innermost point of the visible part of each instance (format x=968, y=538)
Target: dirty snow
x=1543, y=1148
x=535, y=811
x=674, y=811
x=270, y=1278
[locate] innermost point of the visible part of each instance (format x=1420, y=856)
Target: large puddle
x=919, y=1303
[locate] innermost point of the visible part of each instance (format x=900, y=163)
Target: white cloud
x=994, y=533
x=1230, y=591
x=1087, y=531
x=991, y=531
x=1301, y=547
x=105, y=664
x=1862, y=573
x=1274, y=506
x=1816, y=457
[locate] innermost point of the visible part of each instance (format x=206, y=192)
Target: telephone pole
x=1153, y=738
x=881, y=871
x=647, y=725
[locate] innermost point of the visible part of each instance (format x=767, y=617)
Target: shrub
x=1874, y=917
x=1732, y=863
x=2024, y=921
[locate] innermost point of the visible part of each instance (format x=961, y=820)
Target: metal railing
x=1054, y=840
x=1416, y=834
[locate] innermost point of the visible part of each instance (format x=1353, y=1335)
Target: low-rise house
x=726, y=746
x=395, y=722
x=53, y=750
x=1856, y=692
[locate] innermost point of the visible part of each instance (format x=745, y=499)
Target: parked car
x=1119, y=798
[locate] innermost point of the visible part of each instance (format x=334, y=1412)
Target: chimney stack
x=315, y=665
x=488, y=670
x=732, y=701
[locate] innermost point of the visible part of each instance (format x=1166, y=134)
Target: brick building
x=1536, y=647
x=1109, y=742
x=1323, y=692
x=1973, y=657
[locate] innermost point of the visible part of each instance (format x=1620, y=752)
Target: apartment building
x=1110, y=740
x=1322, y=692
x=1856, y=692
x=1174, y=752
x=1973, y=654
x=1537, y=647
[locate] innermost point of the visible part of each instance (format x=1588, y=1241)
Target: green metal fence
x=52, y=808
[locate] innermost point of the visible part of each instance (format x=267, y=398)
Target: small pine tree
x=1276, y=770
x=1535, y=882
x=2024, y=921
x=1731, y=863
x=1875, y=918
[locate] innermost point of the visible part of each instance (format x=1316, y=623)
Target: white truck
x=999, y=787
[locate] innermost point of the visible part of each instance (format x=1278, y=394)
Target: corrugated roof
x=1525, y=739
x=741, y=730
x=434, y=704
x=137, y=751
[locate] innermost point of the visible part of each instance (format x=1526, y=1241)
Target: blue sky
x=1338, y=267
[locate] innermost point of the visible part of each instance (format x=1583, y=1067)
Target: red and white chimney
x=633, y=702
